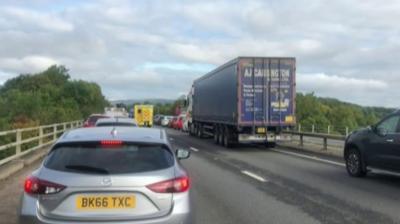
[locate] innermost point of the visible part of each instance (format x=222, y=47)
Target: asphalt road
x=250, y=184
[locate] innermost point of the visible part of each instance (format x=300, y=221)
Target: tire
x=216, y=137
x=354, y=163
x=192, y=130
x=220, y=136
x=270, y=144
x=226, y=138
x=199, y=131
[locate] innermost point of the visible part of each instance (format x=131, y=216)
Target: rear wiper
x=87, y=168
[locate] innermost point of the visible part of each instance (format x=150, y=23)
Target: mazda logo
x=106, y=181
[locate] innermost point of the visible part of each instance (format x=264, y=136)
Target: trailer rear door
x=266, y=91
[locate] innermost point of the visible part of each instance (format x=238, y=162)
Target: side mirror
x=182, y=154
x=381, y=131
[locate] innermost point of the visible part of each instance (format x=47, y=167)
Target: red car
x=91, y=121
x=172, y=122
x=179, y=123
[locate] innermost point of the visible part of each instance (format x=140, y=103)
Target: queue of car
x=113, y=172
x=174, y=122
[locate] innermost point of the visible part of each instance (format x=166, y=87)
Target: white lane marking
x=309, y=157
x=252, y=175
x=194, y=149
x=171, y=139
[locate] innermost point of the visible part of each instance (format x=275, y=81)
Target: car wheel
x=354, y=163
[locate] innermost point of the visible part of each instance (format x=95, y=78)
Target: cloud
x=28, y=18
x=364, y=91
x=333, y=83
x=32, y=63
x=157, y=48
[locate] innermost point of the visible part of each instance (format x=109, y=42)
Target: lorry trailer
x=246, y=100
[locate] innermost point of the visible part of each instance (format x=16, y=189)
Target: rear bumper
x=263, y=138
x=180, y=214
x=172, y=219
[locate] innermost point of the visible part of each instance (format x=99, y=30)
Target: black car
x=375, y=147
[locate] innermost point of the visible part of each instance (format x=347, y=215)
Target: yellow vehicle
x=144, y=115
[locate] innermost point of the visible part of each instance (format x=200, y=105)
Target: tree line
x=315, y=111
x=47, y=97
x=323, y=112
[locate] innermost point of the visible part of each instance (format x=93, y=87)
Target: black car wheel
x=354, y=164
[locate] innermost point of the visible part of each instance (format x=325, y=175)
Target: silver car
x=109, y=175
x=165, y=120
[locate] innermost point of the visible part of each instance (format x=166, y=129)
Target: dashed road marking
x=254, y=176
x=309, y=157
x=194, y=149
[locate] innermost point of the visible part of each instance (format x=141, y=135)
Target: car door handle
x=390, y=140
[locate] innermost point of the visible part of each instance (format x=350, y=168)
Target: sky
x=344, y=49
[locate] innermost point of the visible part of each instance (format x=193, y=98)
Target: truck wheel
x=200, y=131
x=216, y=135
x=190, y=129
x=227, y=138
x=195, y=129
x=270, y=144
x=220, y=136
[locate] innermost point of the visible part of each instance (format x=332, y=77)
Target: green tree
x=47, y=97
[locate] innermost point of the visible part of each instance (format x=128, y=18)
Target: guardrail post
x=347, y=131
x=54, y=132
x=18, y=139
x=313, y=128
x=40, y=135
x=329, y=129
x=65, y=126
x=301, y=140
x=325, y=143
x=299, y=127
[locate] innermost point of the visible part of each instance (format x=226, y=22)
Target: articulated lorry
x=247, y=100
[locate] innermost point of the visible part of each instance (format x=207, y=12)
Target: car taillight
x=34, y=185
x=110, y=142
x=177, y=185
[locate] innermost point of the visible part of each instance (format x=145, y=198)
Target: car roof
x=97, y=115
x=116, y=120
x=128, y=134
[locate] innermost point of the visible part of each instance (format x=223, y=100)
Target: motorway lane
x=10, y=194
x=223, y=195
x=321, y=190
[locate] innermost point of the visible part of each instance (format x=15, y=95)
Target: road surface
x=250, y=184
